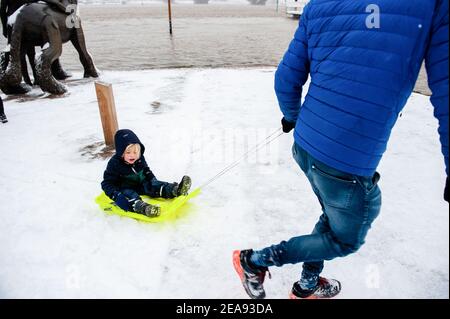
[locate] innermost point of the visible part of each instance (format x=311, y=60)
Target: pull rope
x=269, y=139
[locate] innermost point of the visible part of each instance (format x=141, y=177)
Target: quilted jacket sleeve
x=436, y=61
x=292, y=73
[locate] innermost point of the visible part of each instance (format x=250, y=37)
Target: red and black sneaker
x=252, y=278
x=326, y=288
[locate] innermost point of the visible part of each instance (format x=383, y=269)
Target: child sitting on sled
x=127, y=176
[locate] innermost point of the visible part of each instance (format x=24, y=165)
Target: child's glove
x=287, y=126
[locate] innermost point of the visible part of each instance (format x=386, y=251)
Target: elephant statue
x=7, y=10
x=46, y=24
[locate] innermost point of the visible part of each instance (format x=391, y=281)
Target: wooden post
x=170, y=16
x=107, y=108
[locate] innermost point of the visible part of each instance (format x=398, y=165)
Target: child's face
x=131, y=156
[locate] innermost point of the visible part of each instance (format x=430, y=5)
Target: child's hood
x=123, y=138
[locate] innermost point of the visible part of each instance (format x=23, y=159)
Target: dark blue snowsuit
x=123, y=182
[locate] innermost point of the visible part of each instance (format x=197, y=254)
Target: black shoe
x=326, y=288
x=183, y=188
x=146, y=209
x=252, y=277
x=3, y=118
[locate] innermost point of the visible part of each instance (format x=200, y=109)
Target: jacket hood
x=123, y=138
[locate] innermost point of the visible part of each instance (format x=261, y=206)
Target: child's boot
x=146, y=209
x=3, y=118
x=182, y=189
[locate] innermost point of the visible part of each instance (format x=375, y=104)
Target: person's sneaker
x=146, y=209
x=252, y=278
x=184, y=186
x=326, y=288
x=3, y=118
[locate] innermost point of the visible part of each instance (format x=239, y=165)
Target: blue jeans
x=350, y=204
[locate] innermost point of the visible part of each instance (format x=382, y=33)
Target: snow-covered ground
x=56, y=243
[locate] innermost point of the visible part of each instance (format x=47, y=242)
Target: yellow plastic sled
x=170, y=208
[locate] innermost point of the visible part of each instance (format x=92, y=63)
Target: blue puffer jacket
x=361, y=77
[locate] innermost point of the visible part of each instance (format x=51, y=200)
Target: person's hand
x=446, y=191
x=287, y=126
